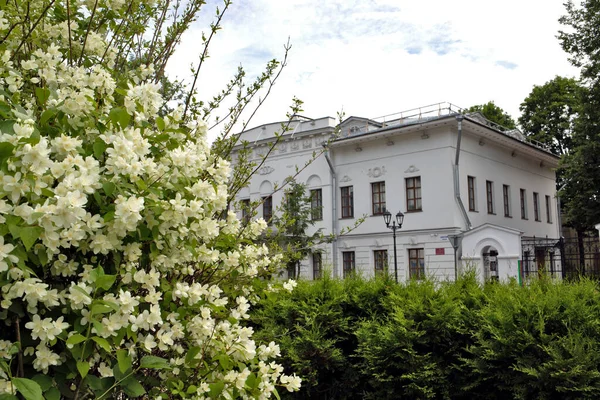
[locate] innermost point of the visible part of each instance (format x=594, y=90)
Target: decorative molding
x=390, y=142
x=411, y=169
x=345, y=178
x=282, y=147
x=307, y=143
x=260, y=151
x=425, y=136
x=266, y=170
x=376, y=172
x=295, y=145
x=358, y=149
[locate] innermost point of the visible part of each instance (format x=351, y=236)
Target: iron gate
x=567, y=258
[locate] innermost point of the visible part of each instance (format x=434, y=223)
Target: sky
x=371, y=58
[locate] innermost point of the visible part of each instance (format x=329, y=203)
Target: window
x=413, y=194
x=268, y=208
x=316, y=204
x=489, y=190
x=381, y=261
x=245, y=206
x=416, y=263
x=506, y=196
x=347, y=202
x=536, y=206
x=378, y=197
x=348, y=263
x=471, y=186
x=317, y=261
x=523, y=204
x=548, y=210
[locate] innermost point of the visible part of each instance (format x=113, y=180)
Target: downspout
x=334, y=219
x=459, y=118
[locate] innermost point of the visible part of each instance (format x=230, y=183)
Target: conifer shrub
x=437, y=340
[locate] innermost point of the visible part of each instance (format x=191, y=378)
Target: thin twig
x=69, y=29
x=87, y=32
x=33, y=28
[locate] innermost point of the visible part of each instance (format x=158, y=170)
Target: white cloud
x=376, y=57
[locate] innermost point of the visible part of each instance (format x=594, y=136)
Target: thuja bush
x=122, y=272
x=438, y=340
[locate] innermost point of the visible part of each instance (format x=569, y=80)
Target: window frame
x=317, y=264
x=245, y=208
x=471, y=193
x=414, y=198
x=548, y=209
x=418, y=256
x=316, y=204
x=348, y=263
x=489, y=192
x=523, y=194
x=347, y=195
x=268, y=206
x=378, y=197
x=536, y=207
x=380, y=261
x=506, y=197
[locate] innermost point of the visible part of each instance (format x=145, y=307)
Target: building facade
x=451, y=175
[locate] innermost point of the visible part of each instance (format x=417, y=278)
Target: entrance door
x=490, y=264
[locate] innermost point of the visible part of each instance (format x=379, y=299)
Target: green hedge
x=375, y=339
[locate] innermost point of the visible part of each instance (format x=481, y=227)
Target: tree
x=295, y=217
x=550, y=111
x=582, y=165
x=495, y=114
x=122, y=272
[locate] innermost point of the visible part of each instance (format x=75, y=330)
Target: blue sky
x=376, y=57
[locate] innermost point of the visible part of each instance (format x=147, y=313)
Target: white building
x=450, y=174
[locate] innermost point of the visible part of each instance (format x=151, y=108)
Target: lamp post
x=455, y=242
x=397, y=224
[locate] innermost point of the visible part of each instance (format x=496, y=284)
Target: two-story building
x=452, y=175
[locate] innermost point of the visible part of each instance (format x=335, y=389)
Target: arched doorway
x=489, y=255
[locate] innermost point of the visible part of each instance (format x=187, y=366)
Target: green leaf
x=99, y=148
x=216, y=389
x=98, y=308
x=46, y=115
x=15, y=230
x=105, y=281
x=154, y=362
x=124, y=360
x=52, y=394
x=31, y=390
x=6, y=396
x=83, y=367
x=109, y=188
x=44, y=381
x=191, y=354
x=120, y=116
x=42, y=95
x=102, y=343
x=160, y=123
x=29, y=235
x=6, y=150
x=132, y=387
x=76, y=338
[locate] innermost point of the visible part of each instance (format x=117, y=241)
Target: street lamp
x=455, y=242
x=397, y=224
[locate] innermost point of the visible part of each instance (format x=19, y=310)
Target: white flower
x=290, y=285
x=291, y=383
x=44, y=358
x=5, y=250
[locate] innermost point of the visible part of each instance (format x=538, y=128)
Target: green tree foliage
x=495, y=114
x=375, y=339
x=292, y=224
x=549, y=113
x=582, y=166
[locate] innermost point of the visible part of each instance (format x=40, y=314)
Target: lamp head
x=399, y=219
x=387, y=217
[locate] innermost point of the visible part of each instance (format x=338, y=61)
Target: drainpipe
x=334, y=219
x=459, y=118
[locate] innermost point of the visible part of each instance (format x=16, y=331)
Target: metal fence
x=567, y=258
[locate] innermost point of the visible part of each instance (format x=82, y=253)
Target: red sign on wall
x=440, y=251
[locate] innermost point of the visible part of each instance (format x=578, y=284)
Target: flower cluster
x=118, y=256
